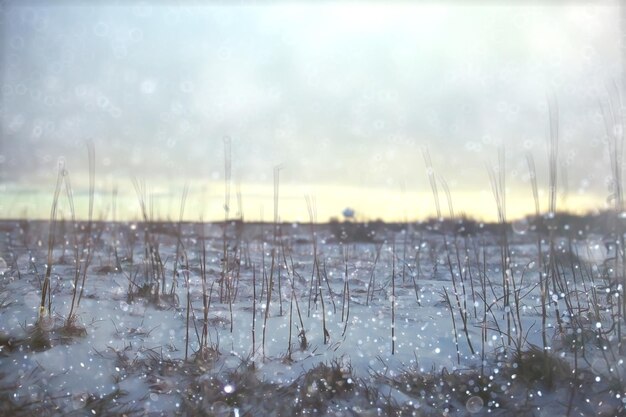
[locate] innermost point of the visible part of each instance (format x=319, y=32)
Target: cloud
x=339, y=93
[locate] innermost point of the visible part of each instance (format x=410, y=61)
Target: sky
x=344, y=97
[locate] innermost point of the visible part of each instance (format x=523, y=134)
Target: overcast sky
x=344, y=96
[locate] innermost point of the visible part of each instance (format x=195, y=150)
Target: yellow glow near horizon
x=206, y=201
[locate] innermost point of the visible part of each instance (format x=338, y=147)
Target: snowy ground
x=130, y=358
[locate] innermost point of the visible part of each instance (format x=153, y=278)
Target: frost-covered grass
x=412, y=321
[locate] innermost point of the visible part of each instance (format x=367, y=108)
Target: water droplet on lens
x=221, y=409
x=474, y=404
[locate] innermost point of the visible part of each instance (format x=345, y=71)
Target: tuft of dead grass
x=517, y=385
